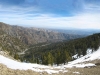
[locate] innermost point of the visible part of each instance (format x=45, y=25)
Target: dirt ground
x=72, y=71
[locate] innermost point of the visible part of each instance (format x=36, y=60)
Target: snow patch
x=88, y=57
x=75, y=56
x=76, y=72
x=89, y=51
x=83, y=65
x=25, y=66
x=51, y=71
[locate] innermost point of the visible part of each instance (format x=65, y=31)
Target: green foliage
x=50, y=58
x=16, y=56
x=47, y=58
x=62, y=52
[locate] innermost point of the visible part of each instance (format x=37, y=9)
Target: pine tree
x=50, y=59
x=58, y=59
x=44, y=59
x=66, y=57
x=16, y=56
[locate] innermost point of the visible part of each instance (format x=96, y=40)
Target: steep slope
x=12, y=64
x=34, y=35
x=72, y=68
x=87, y=60
x=11, y=44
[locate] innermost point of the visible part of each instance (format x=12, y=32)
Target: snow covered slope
x=41, y=68
x=25, y=66
x=89, y=57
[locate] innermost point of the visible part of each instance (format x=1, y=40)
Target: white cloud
x=79, y=21
x=30, y=17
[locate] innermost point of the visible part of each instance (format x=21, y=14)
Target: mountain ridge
x=35, y=35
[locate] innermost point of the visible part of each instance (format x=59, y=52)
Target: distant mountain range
x=17, y=38
x=78, y=31
x=35, y=35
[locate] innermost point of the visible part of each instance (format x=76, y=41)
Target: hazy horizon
x=57, y=14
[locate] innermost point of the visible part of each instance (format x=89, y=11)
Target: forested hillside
x=16, y=39
x=62, y=52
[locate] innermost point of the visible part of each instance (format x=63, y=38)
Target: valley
x=23, y=53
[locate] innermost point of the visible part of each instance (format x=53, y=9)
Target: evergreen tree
x=50, y=59
x=16, y=56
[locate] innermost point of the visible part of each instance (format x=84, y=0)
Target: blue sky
x=84, y=14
